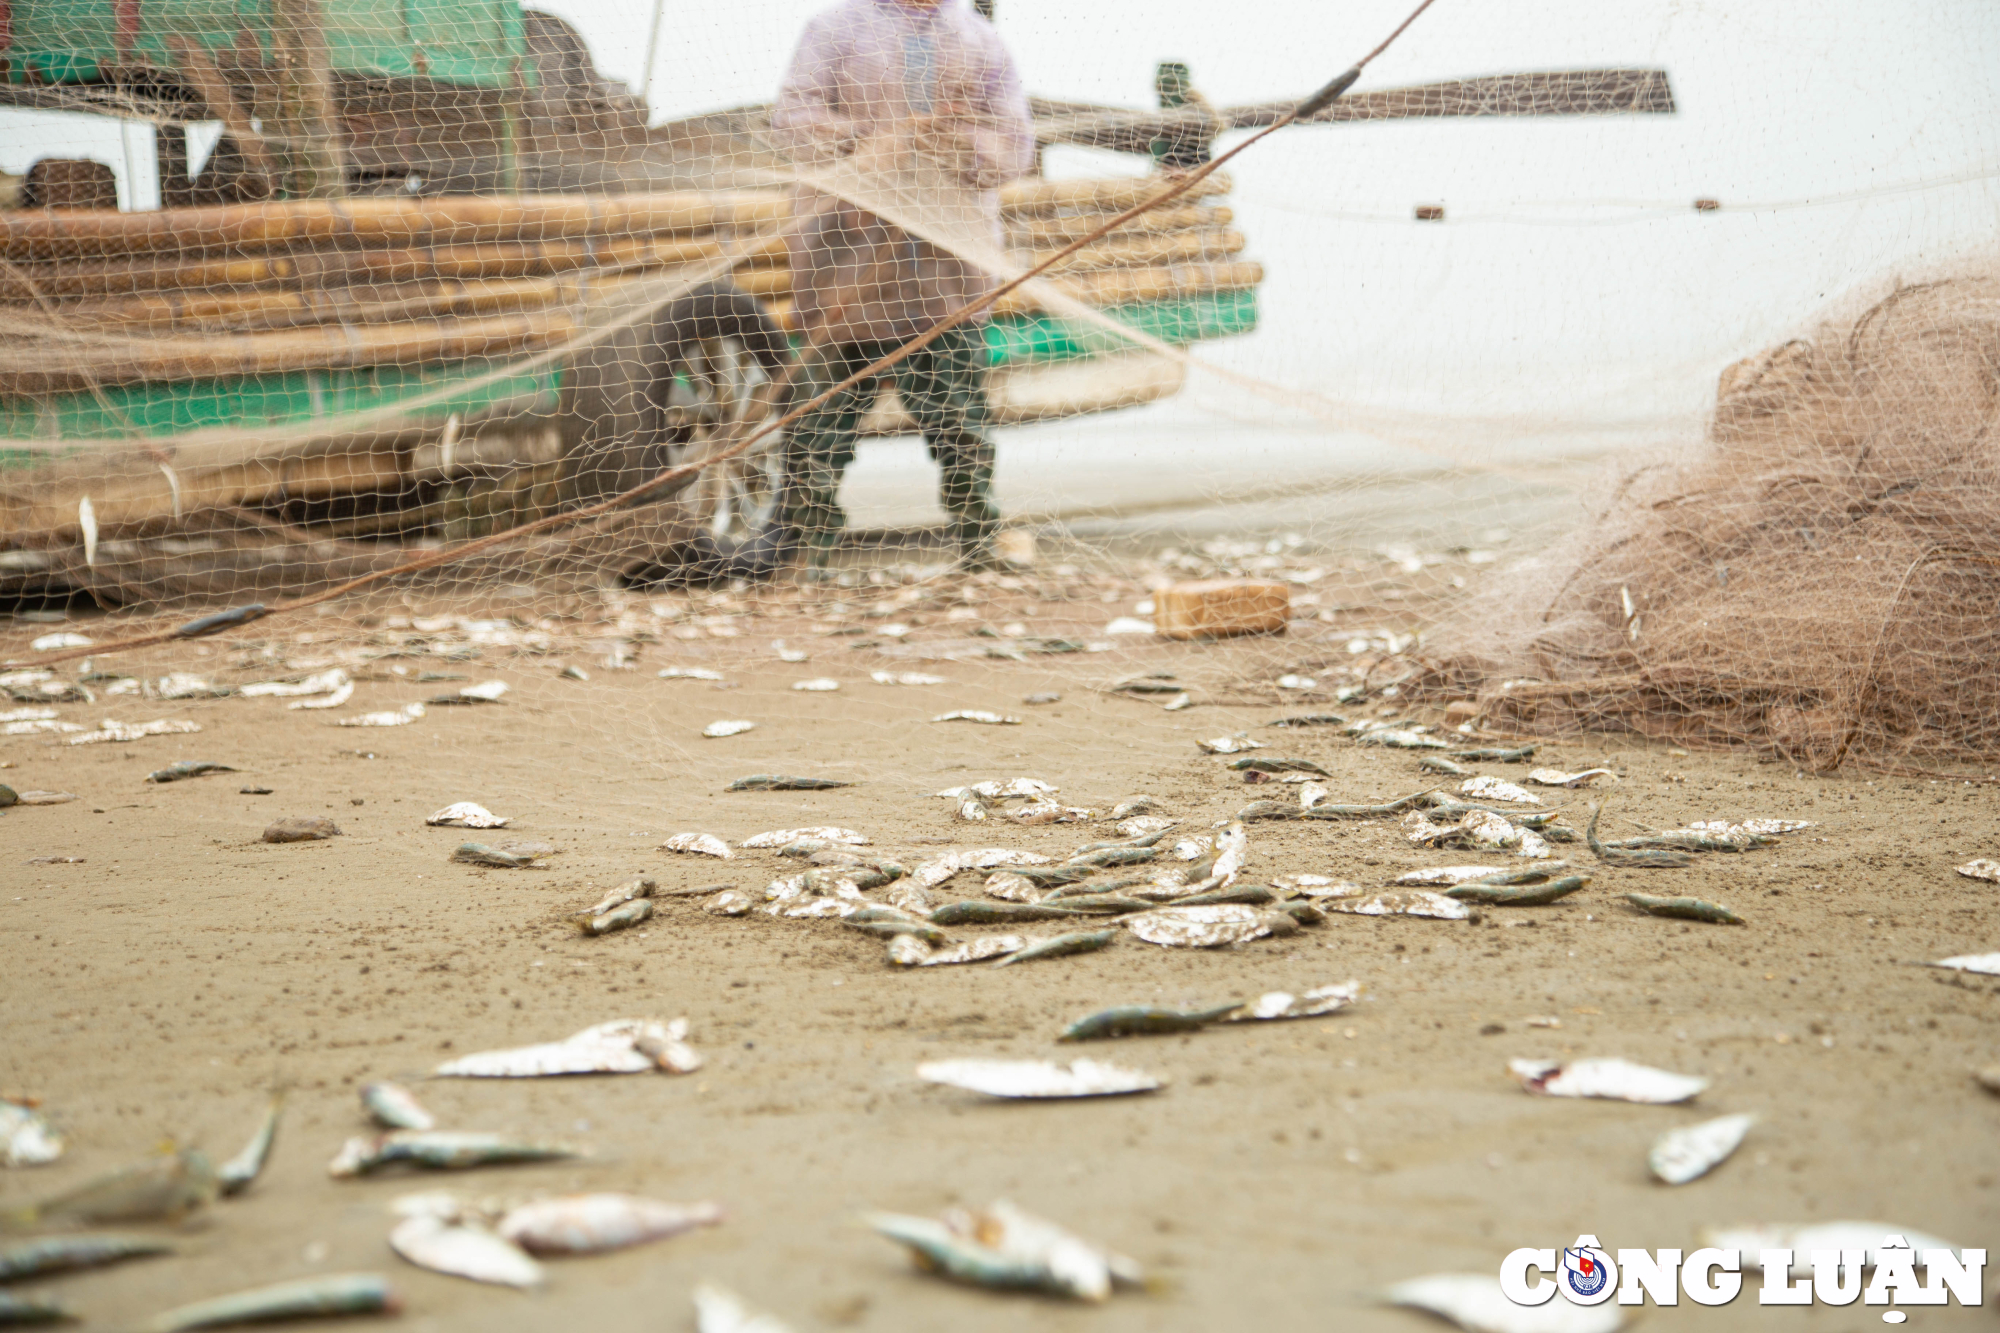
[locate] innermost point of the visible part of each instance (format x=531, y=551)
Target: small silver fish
x=640, y=887
x=701, y=844
x=594, y=1223
x=718, y=730
x=331, y=1295
x=1038, y=1079
x=165, y=1189
x=1200, y=927
x=1615, y=1080
x=729, y=902
x=60, y=1254
x=236, y=1174
x=719, y=1310
x=974, y=950
x=622, y=1046
x=440, y=1150
x=1414, y=902
x=23, y=1309
x=460, y=1249
x=1061, y=946
x=1315, y=1003
x=1688, y=1153
x=393, y=1106
x=621, y=917
x=465, y=814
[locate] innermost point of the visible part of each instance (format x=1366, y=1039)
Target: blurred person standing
x=889, y=76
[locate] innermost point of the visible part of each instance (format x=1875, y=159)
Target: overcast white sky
x=1542, y=291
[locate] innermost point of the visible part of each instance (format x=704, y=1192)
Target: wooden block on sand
x=1217, y=608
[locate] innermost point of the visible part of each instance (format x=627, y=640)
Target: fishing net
x=438, y=334
x=1818, y=581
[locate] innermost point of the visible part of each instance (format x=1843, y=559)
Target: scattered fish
x=1399, y=738
x=1654, y=859
x=977, y=715
x=785, y=837
x=595, y=1223
x=393, y=1106
x=729, y=902
x=461, y=1249
x=1985, y=964
x=499, y=858
x=1310, y=720
x=782, y=782
x=26, y=1136
x=1324, y=810
x=1982, y=868
x=1687, y=909
x=1475, y=1302
x=910, y=951
x=1201, y=927
x=1685, y=1154
x=166, y=1189
x=1275, y=766
x=1047, y=697
x=1135, y=805
x=440, y=1150
x=1493, y=756
x=1493, y=789
x=1037, y=1079
x=618, y=918
x=1413, y=902
x=1255, y=895
x=187, y=768
x=1038, y=813
x=1011, y=1249
x=402, y=717
x=817, y=685
x=891, y=927
x=332, y=1295
x=639, y=887
x=971, y=912
x=1760, y=828
x=1061, y=946
x=22, y=1309
x=1447, y=875
x=1314, y=886
x=486, y=692
x=623, y=1046
x=325, y=682
x=717, y=730
x=1132, y=1020
x=1277, y=1005
x=1556, y=777
x=719, y=1310
x=308, y=829
x=1437, y=763
x=1139, y=826
x=1229, y=745
x=1503, y=895
x=1988, y=1078
x=701, y=844
x=690, y=673
x=239, y=1172
x=1297, y=683
x=1614, y=1080
x=905, y=678
x=60, y=1254
x=464, y=814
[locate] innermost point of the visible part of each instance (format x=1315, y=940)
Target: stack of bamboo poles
x=96, y=299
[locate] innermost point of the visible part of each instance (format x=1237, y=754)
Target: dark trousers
x=944, y=388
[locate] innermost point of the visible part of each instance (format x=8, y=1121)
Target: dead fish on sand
x=1493, y=756
x=1446, y=874
x=595, y=1223
x=23, y=1309
x=1493, y=789
x=1687, y=909
x=888, y=928
x=618, y=918
x=1982, y=868
x=623, y=1046
x=972, y=912
x=166, y=1189
x=1685, y=1154
x=1310, y=720
x=1204, y=927
x=187, y=768
x=61, y=1254
x=785, y=837
x=1277, y=1005
x=1001, y=791
x=393, y=1106
x=301, y=830
x=784, y=782
x=689, y=673
x=465, y=814
x=1556, y=777
x=1985, y=964
x=1528, y=895
x=727, y=727
x=1134, y=1020
x=440, y=1150
x=1613, y=1080
x=461, y=1248
x=729, y=902
x=1399, y=738
x=1037, y=1079
x=1437, y=763
x=1314, y=886
x=905, y=678
x=979, y=716
x=1652, y=859
x=910, y=951
x=1061, y=946
x=1475, y=1302
x=1007, y=1248
x=1038, y=813
x=333, y=1295
x=485, y=692
x=1139, y=826
x=638, y=887
x=719, y=1310
x=238, y=1173
x=509, y=856
x=26, y=1137
x=701, y=844
x=1229, y=745
x=1413, y=902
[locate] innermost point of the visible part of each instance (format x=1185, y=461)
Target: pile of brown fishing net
x=1821, y=581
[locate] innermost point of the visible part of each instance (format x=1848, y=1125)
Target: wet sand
x=1287, y=1172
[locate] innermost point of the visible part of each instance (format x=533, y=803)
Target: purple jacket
x=867, y=66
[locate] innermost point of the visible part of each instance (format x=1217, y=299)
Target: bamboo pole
x=382, y=221
x=1034, y=194
x=1143, y=251
x=1060, y=230
x=309, y=123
